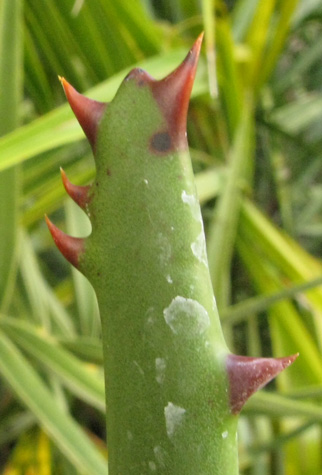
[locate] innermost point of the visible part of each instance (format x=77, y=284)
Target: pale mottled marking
x=174, y=416
x=169, y=279
x=191, y=200
x=160, y=455
x=164, y=248
x=160, y=367
x=198, y=248
x=152, y=466
x=186, y=317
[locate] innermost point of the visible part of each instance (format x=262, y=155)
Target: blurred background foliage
x=255, y=134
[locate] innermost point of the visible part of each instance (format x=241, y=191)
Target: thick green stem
x=173, y=390
x=164, y=353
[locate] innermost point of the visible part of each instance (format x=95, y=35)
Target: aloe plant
x=173, y=389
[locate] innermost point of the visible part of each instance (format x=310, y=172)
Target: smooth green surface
x=162, y=341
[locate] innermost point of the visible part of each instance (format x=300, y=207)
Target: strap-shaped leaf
x=83, y=382
x=64, y=431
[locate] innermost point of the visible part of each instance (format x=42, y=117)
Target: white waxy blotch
x=198, y=248
x=146, y=181
x=150, y=316
x=186, y=317
x=224, y=435
x=160, y=455
x=191, y=200
x=164, y=248
x=160, y=367
x=169, y=279
x=174, y=416
x=152, y=466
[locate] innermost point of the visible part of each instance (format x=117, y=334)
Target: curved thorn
x=173, y=94
x=69, y=246
x=247, y=375
x=87, y=111
x=80, y=194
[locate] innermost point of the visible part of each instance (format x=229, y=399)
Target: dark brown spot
x=161, y=142
x=108, y=172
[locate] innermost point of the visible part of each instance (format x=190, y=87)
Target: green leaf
x=46, y=307
x=245, y=309
x=223, y=227
x=296, y=117
x=85, y=383
x=277, y=405
x=10, y=96
x=59, y=425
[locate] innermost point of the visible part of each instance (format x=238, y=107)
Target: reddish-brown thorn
x=173, y=94
x=69, y=246
x=246, y=375
x=80, y=194
x=87, y=111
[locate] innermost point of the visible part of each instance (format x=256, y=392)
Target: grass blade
x=62, y=429
x=82, y=382
x=10, y=96
x=222, y=229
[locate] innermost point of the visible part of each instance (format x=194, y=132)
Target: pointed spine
x=80, y=194
x=173, y=94
x=87, y=111
x=247, y=375
x=71, y=248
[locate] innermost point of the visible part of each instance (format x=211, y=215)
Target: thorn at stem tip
x=172, y=93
